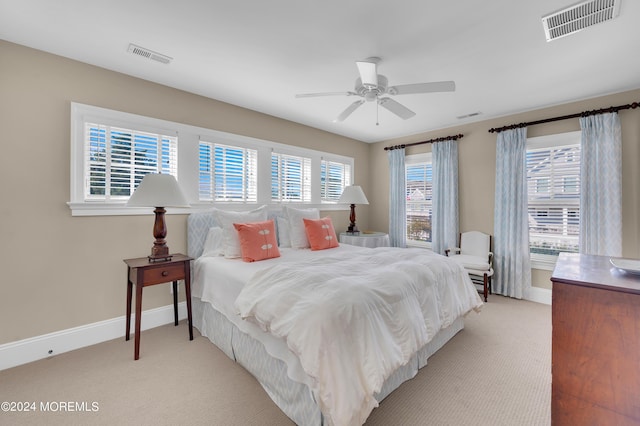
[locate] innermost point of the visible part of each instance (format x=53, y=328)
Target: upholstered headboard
x=198, y=225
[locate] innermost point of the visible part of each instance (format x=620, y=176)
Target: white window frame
x=417, y=159
x=189, y=138
x=538, y=260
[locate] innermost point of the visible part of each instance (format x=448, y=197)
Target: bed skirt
x=293, y=398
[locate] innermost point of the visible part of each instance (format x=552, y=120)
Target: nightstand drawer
x=163, y=274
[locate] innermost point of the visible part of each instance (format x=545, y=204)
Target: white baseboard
x=540, y=295
x=40, y=347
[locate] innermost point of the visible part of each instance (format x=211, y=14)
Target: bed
x=326, y=340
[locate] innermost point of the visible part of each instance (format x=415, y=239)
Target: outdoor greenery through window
x=419, y=187
x=553, y=180
x=117, y=159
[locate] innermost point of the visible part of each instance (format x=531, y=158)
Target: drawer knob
x=165, y=273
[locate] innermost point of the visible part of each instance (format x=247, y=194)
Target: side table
x=366, y=239
x=142, y=273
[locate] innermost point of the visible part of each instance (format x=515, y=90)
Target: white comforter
x=353, y=321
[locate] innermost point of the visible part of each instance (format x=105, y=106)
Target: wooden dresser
x=596, y=343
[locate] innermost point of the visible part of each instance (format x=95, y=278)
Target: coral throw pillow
x=257, y=240
x=320, y=233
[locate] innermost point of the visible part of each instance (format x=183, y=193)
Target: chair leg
x=485, y=286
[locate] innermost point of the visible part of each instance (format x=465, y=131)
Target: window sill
x=545, y=262
x=117, y=209
x=418, y=244
x=121, y=209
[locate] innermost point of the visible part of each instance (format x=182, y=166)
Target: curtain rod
x=566, y=117
x=446, y=138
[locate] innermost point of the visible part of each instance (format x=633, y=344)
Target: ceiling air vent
x=149, y=54
x=578, y=17
x=473, y=114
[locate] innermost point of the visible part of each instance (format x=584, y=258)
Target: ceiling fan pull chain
x=377, y=109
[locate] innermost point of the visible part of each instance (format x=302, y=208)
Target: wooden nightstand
x=142, y=273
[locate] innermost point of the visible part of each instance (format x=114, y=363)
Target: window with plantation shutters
x=227, y=173
x=116, y=160
x=419, y=196
x=111, y=151
x=334, y=176
x=553, y=183
x=290, y=178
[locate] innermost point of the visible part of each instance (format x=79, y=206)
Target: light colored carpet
x=497, y=371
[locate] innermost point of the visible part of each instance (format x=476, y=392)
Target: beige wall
x=61, y=271
x=477, y=152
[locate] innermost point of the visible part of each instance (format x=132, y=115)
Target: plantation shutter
x=290, y=178
x=116, y=160
x=228, y=173
x=419, y=196
x=553, y=179
x=334, y=177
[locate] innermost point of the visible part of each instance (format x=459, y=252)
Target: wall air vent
x=149, y=54
x=578, y=17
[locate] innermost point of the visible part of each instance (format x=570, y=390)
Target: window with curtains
x=290, y=178
x=419, y=187
x=553, y=183
x=118, y=158
x=334, y=176
x=227, y=173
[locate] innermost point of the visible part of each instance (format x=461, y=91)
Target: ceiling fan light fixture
x=371, y=96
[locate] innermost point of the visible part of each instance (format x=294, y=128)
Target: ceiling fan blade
x=347, y=112
x=396, y=108
x=368, y=73
x=436, y=86
x=313, y=95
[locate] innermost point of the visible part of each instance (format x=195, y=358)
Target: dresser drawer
x=163, y=274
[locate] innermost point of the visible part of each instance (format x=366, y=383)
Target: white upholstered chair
x=474, y=253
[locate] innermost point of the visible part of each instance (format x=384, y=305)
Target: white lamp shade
x=158, y=190
x=353, y=195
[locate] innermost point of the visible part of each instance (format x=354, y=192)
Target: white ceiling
x=259, y=53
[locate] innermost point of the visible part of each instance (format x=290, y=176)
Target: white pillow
x=226, y=219
x=283, y=232
x=297, y=232
x=213, y=242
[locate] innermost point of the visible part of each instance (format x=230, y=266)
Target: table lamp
x=159, y=191
x=353, y=195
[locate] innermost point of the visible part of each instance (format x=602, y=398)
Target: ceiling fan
x=372, y=86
